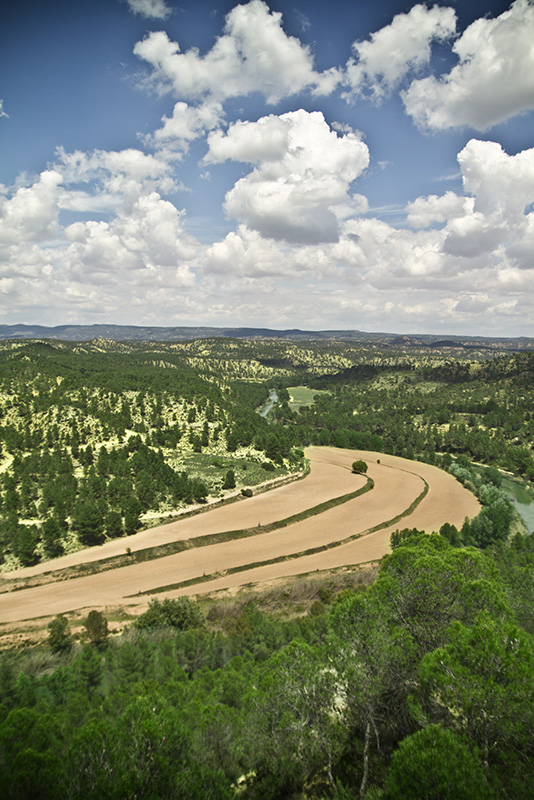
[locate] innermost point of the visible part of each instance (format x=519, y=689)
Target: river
x=271, y=402
x=522, y=501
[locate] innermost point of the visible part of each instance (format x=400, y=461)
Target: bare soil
x=398, y=483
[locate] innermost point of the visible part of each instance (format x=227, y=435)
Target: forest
x=410, y=678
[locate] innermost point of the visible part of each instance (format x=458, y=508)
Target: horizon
x=294, y=330
x=238, y=163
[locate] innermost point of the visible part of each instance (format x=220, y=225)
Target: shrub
x=182, y=613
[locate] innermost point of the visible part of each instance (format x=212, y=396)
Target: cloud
x=499, y=182
x=122, y=173
x=266, y=140
x=31, y=214
x=492, y=226
x=94, y=267
x=396, y=49
x=148, y=235
x=152, y=9
x=426, y=211
x=474, y=235
x=253, y=55
x=502, y=188
x=186, y=124
x=245, y=253
x=387, y=256
x=493, y=81
x=2, y=112
x=301, y=179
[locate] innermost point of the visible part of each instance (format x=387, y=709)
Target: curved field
x=344, y=530
x=324, y=482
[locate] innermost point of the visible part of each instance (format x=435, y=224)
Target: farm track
x=355, y=532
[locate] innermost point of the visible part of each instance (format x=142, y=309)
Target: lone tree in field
x=359, y=467
x=229, y=481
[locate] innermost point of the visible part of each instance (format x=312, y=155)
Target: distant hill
x=118, y=333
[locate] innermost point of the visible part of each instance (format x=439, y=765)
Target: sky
x=291, y=164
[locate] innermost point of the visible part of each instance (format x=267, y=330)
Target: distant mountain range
x=118, y=333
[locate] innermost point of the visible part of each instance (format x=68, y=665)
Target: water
x=273, y=400
x=522, y=501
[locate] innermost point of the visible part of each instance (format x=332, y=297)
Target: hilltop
x=118, y=333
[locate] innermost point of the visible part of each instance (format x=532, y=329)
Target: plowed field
x=405, y=494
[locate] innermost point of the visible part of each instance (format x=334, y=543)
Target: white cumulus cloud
x=425, y=211
x=301, y=179
x=245, y=253
x=31, y=214
x=384, y=60
x=498, y=182
x=186, y=124
x=253, y=55
x=122, y=172
x=150, y=234
x=493, y=81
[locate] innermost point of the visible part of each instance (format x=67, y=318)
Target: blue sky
x=287, y=164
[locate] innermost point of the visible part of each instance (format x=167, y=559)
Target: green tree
x=51, y=536
x=88, y=523
x=359, y=466
x=295, y=726
x=26, y=541
x=436, y=764
x=427, y=584
x=373, y=659
x=132, y=515
x=229, y=481
x=97, y=627
x=59, y=636
x=113, y=524
x=30, y=755
x=481, y=684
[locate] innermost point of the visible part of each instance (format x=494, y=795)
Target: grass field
x=302, y=396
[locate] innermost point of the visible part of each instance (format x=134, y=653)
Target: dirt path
x=398, y=483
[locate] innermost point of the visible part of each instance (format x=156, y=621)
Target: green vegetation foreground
x=420, y=687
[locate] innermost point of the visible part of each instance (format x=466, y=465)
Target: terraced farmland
x=255, y=540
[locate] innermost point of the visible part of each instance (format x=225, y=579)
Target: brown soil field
x=325, y=481
x=398, y=483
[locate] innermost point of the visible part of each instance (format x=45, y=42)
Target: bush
x=182, y=613
x=359, y=467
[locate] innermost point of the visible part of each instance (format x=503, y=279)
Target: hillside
x=84, y=333
x=265, y=649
